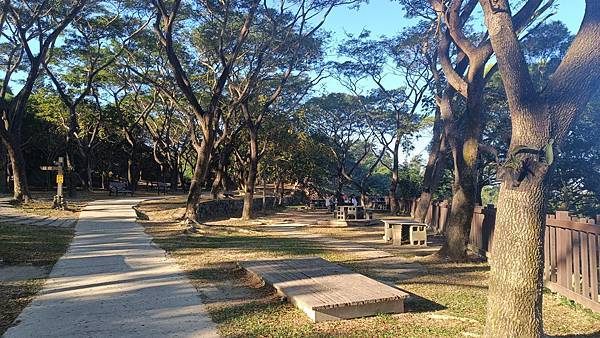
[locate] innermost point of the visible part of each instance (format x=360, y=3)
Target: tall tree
x=203, y=113
x=30, y=30
x=90, y=45
x=371, y=64
x=285, y=47
x=339, y=121
x=540, y=123
x=465, y=73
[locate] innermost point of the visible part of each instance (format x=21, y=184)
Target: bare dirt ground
x=447, y=299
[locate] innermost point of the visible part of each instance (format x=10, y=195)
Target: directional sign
x=50, y=167
x=60, y=179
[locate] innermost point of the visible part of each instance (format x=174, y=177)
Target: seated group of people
x=331, y=201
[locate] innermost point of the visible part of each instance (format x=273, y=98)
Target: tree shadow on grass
x=279, y=245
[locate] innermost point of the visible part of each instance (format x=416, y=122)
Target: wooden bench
x=118, y=187
x=326, y=291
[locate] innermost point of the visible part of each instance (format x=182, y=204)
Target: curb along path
x=113, y=282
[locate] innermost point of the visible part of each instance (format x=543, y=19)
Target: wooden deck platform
x=326, y=291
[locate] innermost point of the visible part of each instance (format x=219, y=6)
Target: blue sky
x=385, y=17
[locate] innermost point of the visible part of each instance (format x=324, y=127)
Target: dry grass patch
x=22, y=245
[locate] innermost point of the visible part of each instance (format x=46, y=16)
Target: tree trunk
x=251, y=177
x=220, y=172
x=90, y=182
x=394, y=207
x=20, y=186
x=132, y=173
x=281, y=192
x=264, y=195
x=4, y=183
x=515, y=288
x=461, y=213
x=198, y=177
x=363, y=197
x=463, y=137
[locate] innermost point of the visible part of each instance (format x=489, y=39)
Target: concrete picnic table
x=351, y=212
x=404, y=232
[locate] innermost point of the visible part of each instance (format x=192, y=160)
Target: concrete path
x=114, y=283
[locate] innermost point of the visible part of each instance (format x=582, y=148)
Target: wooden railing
x=571, y=249
x=571, y=258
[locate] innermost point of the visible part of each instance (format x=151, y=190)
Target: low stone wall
x=227, y=208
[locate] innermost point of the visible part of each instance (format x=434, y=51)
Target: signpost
x=59, y=201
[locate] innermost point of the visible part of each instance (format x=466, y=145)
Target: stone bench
x=327, y=291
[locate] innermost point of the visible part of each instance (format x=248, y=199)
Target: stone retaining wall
x=227, y=208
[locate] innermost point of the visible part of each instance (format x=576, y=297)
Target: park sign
x=59, y=202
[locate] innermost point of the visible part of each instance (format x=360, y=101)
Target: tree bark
x=221, y=167
x=20, y=186
x=538, y=120
x=251, y=176
x=463, y=138
x=203, y=152
x=394, y=207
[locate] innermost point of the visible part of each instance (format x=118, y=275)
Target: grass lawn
x=27, y=246
x=448, y=300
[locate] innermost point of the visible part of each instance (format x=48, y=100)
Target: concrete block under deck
x=326, y=291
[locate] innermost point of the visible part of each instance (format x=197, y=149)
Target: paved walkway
x=114, y=283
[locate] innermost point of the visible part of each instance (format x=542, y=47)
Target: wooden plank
x=576, y=262
x=593, y=267
x=567, y=224
x=553, y=251
x=326, y=291
x=569, y=258
x=561, y=257
x=586, y=302
x=547, y=262
x=585, y=264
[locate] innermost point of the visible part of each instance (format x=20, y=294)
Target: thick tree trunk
x=461, y=213
x=4, y=183
x=251, y=177
x=20, y=186
x=220, y=171
x=538, y=121
x=198, y=178
x=463, y=138
x=515, y=288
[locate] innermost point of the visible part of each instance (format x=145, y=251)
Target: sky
x=385, y=17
